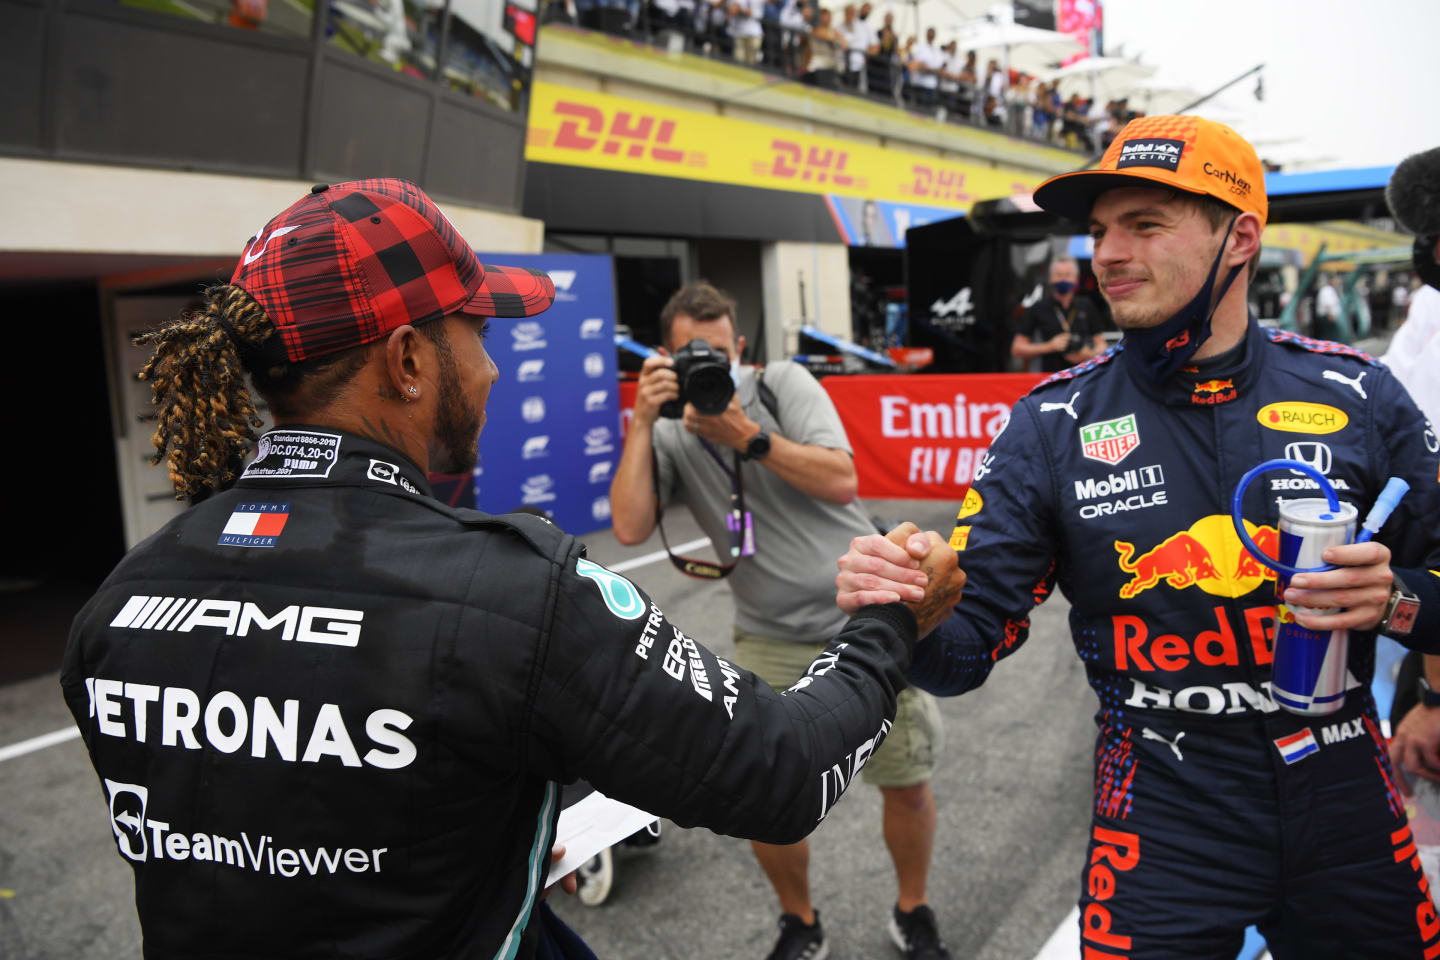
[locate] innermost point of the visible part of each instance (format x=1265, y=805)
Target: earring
x=413, y=392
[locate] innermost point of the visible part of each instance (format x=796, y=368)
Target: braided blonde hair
x=205, y=413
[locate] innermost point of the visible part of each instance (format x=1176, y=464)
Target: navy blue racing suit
x=1214, y=809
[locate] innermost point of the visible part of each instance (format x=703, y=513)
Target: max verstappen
x=1214, y=809
x=330, y=714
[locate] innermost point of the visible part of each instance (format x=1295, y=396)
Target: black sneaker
x=916, y=935
x=798, y=941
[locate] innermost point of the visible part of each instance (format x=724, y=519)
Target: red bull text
x=1310, y=665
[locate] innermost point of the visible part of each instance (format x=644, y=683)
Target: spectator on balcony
x=858, y=39
x=883, y=58
x=1072, y=122
x=827, y=47
x=667, y=16
x=795, y=16
x=712, y=20
x=948, y=87
x=744, y=29
x=1040, y=112
x=925, y=63
x=1017, y=105
x=995, y=86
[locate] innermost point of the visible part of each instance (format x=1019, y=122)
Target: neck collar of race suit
x=1158, y=352
x=1213, y=381
x=308, y=455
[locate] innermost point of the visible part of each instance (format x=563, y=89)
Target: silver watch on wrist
x=1400, y=610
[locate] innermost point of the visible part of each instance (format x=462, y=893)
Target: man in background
x=1061, y=329
x=780, y=445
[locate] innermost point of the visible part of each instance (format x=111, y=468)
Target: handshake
x=918, y=569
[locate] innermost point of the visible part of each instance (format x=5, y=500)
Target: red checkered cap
x=348, y=263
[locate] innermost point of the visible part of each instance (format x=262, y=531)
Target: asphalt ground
x=1013, y=789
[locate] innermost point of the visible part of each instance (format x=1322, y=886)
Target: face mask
x=1425, y=263
x=1163, y=349
x=1063, y=287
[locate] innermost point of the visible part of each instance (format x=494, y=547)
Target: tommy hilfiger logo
x=1151, y=152
x=255, y=525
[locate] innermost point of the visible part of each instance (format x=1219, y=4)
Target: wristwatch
x=1400, y=610
x=759, y=447
x=1429, y=697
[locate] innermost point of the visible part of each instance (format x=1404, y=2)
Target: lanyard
x=737, y=522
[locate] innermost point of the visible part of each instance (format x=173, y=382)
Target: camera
x=704, y=375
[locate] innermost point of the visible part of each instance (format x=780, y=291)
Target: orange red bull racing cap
x=1179, y=152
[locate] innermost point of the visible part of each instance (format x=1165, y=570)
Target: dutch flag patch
x=1297, y=746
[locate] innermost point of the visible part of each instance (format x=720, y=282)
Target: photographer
x=779, y=446
x=1060, y=330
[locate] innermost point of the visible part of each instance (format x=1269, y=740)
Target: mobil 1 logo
x=1135, y=489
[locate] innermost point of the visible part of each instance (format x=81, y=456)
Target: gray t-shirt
x=786, y=591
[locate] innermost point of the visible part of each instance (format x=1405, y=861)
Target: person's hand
x=881, y=569
x=657, y=384
x=945, y=580
x=1360, y=584
x=1058, y=343
x=730, y=428
x=567, y=882
x=917, y=568
x=1415, y=747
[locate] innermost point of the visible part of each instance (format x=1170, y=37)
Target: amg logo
x=333, y=625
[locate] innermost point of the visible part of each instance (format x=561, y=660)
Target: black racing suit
x=1118, y=491
x=331, y=715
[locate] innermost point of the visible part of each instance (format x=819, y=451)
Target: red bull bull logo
x=1209, y=392
x=1208, y=555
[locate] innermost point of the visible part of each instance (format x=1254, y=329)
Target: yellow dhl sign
x=589, y=129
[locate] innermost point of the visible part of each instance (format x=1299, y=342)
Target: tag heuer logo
x=1110, y=441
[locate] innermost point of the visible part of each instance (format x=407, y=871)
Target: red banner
x=921, y=437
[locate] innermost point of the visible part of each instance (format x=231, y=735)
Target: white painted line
x=631, y=564
x=1064, y=943
x=70, y=733
x=38, y=743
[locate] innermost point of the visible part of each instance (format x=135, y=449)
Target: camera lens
x=710, y=388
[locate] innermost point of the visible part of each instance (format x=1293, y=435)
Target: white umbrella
x=1110, y=76
x=1025, y=48
x=1157, y=97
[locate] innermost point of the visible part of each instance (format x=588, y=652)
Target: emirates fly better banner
x=923, y=437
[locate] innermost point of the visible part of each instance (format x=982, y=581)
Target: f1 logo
x=1312, y=453
x=127, y=818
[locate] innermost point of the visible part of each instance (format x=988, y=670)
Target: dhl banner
x=590, y=129
x=923, y=436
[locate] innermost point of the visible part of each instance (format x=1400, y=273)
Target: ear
x=1244, y=239
x=739, y=349
x=403, y=362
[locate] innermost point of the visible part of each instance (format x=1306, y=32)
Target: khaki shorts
x=906, y=758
